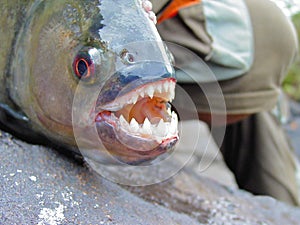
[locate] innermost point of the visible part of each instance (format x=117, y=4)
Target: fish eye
x=83, y=66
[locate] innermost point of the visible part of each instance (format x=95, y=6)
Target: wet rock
x=41, y=186
x=212, y=203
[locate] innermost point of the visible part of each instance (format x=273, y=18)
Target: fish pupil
x=82, y=67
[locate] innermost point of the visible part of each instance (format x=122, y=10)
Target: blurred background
x=291, y=84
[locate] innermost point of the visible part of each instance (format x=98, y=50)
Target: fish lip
x=132, y=77
x=126, y=154
x=133, y=148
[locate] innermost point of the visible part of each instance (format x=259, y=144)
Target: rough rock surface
x=41, y=186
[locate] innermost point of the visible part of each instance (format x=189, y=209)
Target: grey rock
x=38, y=185
x=41, y=186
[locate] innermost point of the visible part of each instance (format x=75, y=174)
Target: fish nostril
x=126, y=57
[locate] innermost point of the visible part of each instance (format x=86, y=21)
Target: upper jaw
x=164, y=88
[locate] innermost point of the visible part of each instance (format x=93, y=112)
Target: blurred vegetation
x=291, y=84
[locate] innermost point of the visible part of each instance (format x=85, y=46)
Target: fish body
x=88, y=75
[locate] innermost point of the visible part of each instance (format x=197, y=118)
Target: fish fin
x=13, y=113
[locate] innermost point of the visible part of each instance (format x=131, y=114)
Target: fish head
x=95, y=74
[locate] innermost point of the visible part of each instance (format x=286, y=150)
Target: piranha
x=91, y=75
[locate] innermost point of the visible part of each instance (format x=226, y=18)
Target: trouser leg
x=259, y=154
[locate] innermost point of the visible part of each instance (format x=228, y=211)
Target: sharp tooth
x=169, y=111
x=171, y=96
x=142, y=94
x=173, y=129
x=129, y=102
x=166, y=86
x=159, y=139
x=134, y=126
x=146, y=128
x=123, y=122
x=161, y=129
x=174, y=123
x=174, y=115
x=150, y=91
x=172, y=91
x=172, y=86
x=175, y=118
x=159, y=88
x=134, y=99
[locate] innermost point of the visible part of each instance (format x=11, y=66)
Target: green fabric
x=274, y=50
x=228, y=24
x=218, y=31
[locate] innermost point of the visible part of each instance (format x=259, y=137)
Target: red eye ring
x=83, y=67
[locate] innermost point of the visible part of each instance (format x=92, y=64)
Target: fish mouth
x=139, y=125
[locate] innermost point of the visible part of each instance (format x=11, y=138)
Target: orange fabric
x=174, y=7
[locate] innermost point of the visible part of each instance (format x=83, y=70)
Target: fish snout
x=134, y=117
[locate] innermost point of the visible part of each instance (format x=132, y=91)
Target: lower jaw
x=134, y=150
x=132, y=157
